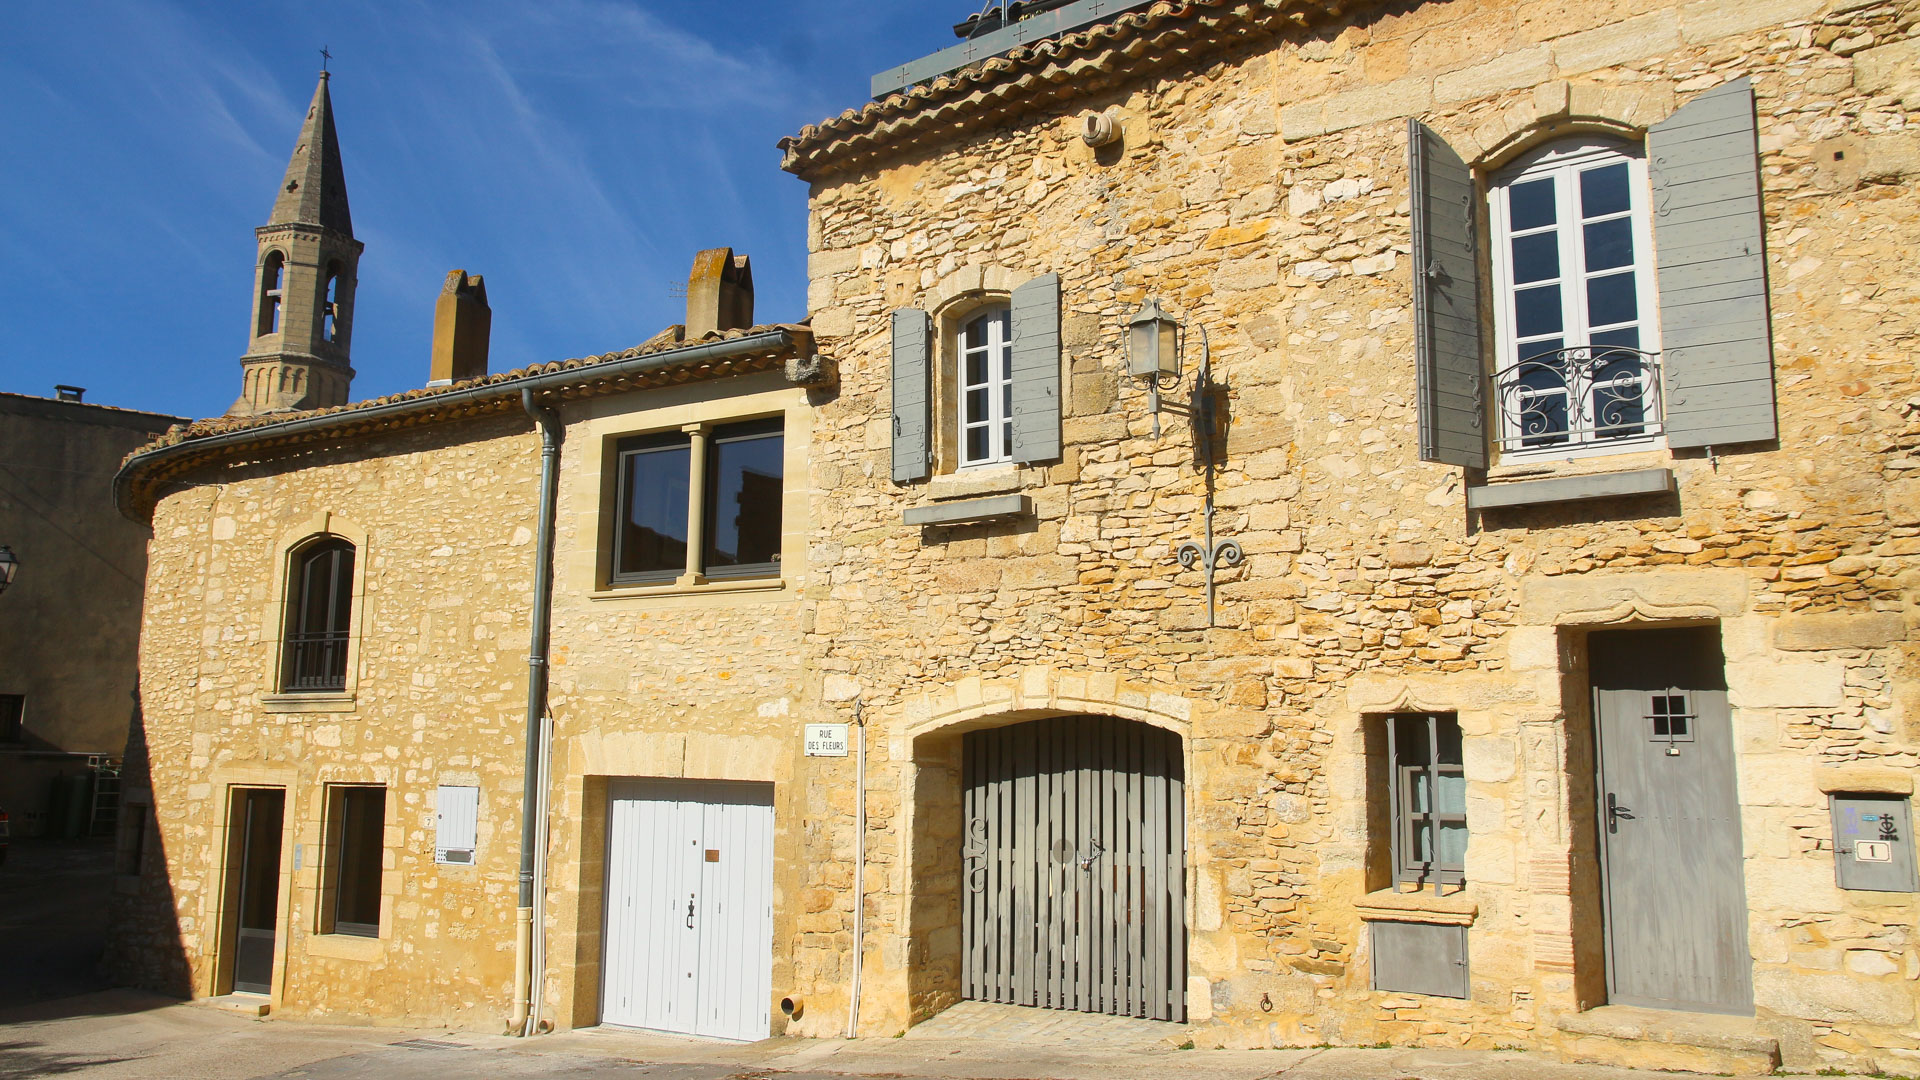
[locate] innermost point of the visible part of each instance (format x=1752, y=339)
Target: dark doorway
x=254, y=860
x=1669, y=819
x=1074, y=867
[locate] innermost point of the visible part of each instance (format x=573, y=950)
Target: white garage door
x=689, y=907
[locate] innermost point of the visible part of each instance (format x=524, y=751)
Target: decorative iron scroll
x=1580, y=396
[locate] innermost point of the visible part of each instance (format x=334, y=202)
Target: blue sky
x=575, y=152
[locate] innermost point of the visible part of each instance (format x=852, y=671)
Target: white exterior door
x=689, y=907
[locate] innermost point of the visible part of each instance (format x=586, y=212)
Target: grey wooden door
x=1669, y=820
x=258, y=815
x=1074, y=864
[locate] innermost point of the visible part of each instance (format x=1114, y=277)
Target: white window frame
x=998, y=421
x=1564, y=160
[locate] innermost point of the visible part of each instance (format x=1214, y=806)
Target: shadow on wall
x=144, y=949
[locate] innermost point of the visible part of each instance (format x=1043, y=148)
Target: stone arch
x=1558, y=109
x=927, y=741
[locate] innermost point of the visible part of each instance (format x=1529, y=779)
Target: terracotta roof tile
x=1066, y=66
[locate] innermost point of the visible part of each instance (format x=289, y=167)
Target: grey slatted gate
x=1672, y=860
x=1074, y=864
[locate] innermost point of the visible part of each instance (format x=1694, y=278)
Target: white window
x=1574, y=303
x=986, y=388
x=457, y=814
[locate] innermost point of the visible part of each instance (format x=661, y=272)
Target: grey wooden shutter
x=1710, y=246
x=1451, y=368
x=1036, y=370
x=911, y=336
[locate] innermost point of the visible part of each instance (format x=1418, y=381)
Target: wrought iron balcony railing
x=316, y=661
x=1569, y=398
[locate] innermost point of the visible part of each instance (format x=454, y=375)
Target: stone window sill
x=975, y=482
x=307, y=703
x=697, y=587
x=1573, y=487
x=1454, y=909
x=345, y=947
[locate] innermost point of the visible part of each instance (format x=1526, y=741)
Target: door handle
x=1615, y=813
x=689, y=912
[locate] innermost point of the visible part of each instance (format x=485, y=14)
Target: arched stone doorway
x=1073, y=868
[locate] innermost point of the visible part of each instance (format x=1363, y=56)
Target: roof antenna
x=324, y=57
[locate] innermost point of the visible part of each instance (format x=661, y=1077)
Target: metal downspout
x=533, y=799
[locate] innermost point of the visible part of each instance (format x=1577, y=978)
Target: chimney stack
x=462, y=323
x=719, y=293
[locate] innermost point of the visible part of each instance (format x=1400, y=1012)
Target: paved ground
x=53, y=918
x=119, y=1034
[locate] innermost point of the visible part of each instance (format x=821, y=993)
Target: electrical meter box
x=1873, y=843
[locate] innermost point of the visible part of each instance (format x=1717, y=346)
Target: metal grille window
x=320, y=613
x=1429, y=800
x=1574, y=300
x=700, y=503
x=986, y=389
x=358, y=841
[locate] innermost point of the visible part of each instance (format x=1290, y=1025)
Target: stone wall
x=1262, y=194
x=443, y=523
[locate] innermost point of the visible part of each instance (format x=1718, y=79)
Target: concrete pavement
x=121, y=1034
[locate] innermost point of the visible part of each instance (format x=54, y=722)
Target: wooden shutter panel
x=1710, y=246
x=912, y=333
x=1036, y=370
x=1451, y=368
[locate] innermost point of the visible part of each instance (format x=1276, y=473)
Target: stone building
x=70, y=623
x=1483, y=621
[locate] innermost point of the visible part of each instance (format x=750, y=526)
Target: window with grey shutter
x=1036, y=370
x=1710, y=250
x=1451, y=371
x=911, y=337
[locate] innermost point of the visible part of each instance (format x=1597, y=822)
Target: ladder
x=106, y=795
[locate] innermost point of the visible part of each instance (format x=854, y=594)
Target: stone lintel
x=954, y=513
x=1864, y=780
x=1570, y=489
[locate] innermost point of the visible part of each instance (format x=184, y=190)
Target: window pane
x=1452, y=793
x=1420, y=845
x=1611, y=299
x=363, y=820
x=976, y=368
x=1419, y=798
x=744, y=468
x=1536, y=257
x=1530, y=205
x=1609, y=244
x=653, y=537
x=1537, y=311
x=1603, y=190
x=1620, y=381
x=1453, y=846
x=977, y=405
x=1448, y=731
x=977, y=443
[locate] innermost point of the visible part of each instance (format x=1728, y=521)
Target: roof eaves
x=135, y=486
x=1071, y=65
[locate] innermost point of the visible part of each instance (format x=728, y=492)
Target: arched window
x=1574, y=305
x=985, y=382
x=319, y=611
x=330, y=305
x=273, y=286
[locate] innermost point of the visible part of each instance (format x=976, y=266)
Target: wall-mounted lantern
x=1154, y=339
x=9, y=566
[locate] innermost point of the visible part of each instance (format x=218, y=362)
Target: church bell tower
x=304, y=281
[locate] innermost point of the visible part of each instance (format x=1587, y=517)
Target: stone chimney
x=462, y=323
x=719, y=293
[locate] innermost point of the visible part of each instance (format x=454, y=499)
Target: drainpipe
x=534, y=797
x=859, y=859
